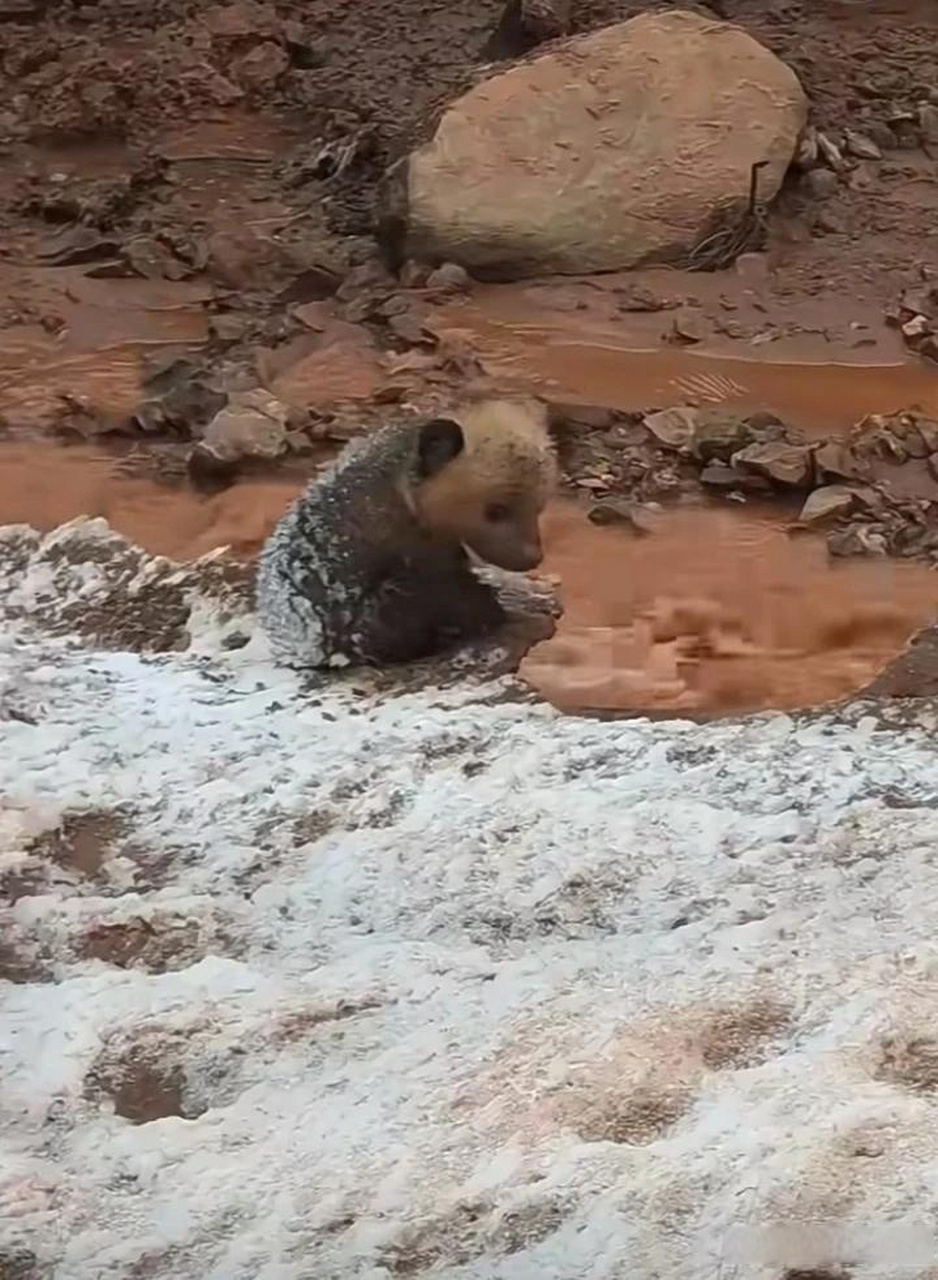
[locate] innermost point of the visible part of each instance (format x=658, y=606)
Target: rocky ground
x=188, y=201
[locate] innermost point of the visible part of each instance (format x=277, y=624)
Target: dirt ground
x=187, y=212
x=202, y=141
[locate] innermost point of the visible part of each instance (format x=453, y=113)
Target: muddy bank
x=703, y=610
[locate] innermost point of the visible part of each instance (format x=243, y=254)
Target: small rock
x=826, y=503
x=719, y=436
x=859, y=145
x=449, y=278
x=830, y=153
x=719, y=476
x=806, y=155
x=828, y=222
x=908, y=137
x=638, y=298
x=367, y=276
x=687, y=327
x=928, y=123
x=262, y=66
x=857, y=540
x=917, y=327
x=152, y=260
x=928, y=430
x=929, y=347
x=672, y=427
x=820, y=184
x=252, y=425
x=313, y=284
x=77, y=244
x=208, y=470
x=785, y=464
x=835, y=459
x=524, y=24
x=593, y=417
x=228, y=327
x=314, y=315
x=918, y=301
x=410, y=328
x=881, y=134
x=767, y=425
x=414, y=275
x=620, y=511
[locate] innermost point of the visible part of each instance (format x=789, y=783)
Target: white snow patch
x=506, y=995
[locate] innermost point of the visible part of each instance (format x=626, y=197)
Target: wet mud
x=717, y=610
x=703, y=610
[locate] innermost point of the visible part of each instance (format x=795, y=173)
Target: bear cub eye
x=497, y=512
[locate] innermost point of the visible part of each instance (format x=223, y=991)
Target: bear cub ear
x=441, y=440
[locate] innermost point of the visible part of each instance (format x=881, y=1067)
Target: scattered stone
x=718, y=437
x=881, y=134
x=208, y=471
x=639, y=298
x=592, y=417
x=672, y=427
x=499, y=188
x=524, y=24
x=859, y=145
x=449, y=278
x=834, y=459
x=784, y=464
x=820, y=184
x=687, y=327
x=414, y=275
x=918, y=327
x=830, y=153
x=806, y=155
x=827, y=503
x=857, y=540
x=313, y=284
x=228, y=327
x=719, y=476
x=252, y=425
x=261, y=66
x=372, y=275
x=828, y=222
x=619, y=511
x=147, y=257
x=919, y=301
x=78, y=244
x=928, y=123
x=928, y=430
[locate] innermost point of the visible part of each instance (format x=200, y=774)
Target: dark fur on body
x=353, y=573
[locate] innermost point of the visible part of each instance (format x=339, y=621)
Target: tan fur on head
x=490, y=496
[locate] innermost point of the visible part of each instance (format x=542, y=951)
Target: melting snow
x=442, y=985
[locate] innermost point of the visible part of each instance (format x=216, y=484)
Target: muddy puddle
x=717, y=610
x=46, y=485
x=821, y=373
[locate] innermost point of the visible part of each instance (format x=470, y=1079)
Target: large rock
x=614, y=149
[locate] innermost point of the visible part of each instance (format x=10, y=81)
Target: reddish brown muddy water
x=718, y=609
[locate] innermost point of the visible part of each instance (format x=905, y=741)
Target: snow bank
x=332, y=983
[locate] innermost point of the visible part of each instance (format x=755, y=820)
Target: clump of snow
x=479, y=991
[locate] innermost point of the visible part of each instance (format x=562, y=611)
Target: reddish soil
x=187, y=207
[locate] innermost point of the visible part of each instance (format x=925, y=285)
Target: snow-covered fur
x=370, y=564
